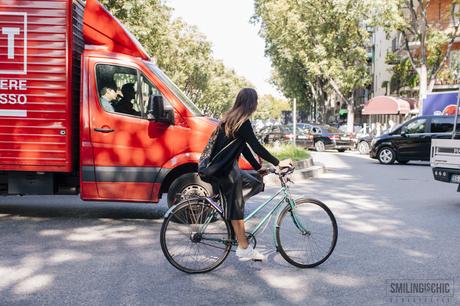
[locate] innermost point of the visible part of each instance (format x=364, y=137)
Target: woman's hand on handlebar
x=285, y=163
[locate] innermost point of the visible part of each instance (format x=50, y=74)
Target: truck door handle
x=104, y=130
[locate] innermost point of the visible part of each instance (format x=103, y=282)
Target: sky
x=234, y=39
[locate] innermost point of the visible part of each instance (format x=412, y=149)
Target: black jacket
x=245, y=136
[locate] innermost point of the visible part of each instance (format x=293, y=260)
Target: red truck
x=84, y=109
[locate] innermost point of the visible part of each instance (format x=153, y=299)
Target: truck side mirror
x=156, y=111
x=155, y=107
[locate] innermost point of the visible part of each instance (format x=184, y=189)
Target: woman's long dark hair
x=245, y=105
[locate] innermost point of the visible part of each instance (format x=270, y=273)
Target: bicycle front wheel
x=195, y=237
x=306, y=235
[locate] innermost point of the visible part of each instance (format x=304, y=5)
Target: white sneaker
x=249, y=254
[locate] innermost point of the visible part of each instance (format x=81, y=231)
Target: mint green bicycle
x=196, y=238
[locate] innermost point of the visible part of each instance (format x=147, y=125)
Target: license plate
x=345, y=138
x=455, y=178
x=302, y=137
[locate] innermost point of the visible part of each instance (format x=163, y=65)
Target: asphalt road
x=395, y=222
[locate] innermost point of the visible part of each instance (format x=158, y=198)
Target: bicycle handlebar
x=283, y=171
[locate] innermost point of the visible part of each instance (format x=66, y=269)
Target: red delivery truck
x=84, y=109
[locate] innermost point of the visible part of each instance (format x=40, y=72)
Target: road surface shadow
x=72, y=207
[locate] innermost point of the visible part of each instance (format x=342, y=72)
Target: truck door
x=128, y=148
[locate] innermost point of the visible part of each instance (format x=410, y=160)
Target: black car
x=411, y=140
x=326, y=137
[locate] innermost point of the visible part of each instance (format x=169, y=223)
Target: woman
x=236, y=125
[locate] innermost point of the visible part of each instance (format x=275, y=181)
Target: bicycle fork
x=296, y=221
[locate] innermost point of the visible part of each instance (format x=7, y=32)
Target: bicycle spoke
x=197, y=243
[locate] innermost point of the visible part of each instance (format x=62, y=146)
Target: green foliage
x=314, y=44
x=285, y=151
x=270, y=107
x=433, y=41
x=403, y=75
x=182, y=52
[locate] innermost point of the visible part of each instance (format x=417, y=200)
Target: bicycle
x=196, y=238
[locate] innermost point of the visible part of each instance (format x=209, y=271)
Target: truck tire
x=187, y=185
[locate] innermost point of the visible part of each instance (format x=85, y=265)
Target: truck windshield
x=175, y=90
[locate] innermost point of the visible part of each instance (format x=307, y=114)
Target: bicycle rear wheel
x=195, y=237
x=306, y=235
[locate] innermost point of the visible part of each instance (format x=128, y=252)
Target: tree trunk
x=431, y=85
x=423, y=86
x=351, y=114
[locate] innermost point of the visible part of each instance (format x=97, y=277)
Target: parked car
x=357, y=129
x=282, y=134
x=411, y=140
x=326, y=137
x=303, y=138
x=274, y=133
x=364, y=144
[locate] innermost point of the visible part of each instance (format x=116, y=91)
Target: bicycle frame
x=286, y=198
x=266, y=218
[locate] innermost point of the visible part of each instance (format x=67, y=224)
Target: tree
x=182, y=52
x=432, y=44
x=403, y=74
x=316, y=46
x=223, y=86
x=270, y=107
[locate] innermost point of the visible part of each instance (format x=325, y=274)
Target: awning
x=386, y=105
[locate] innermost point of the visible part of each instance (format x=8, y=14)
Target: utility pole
x=294, y=120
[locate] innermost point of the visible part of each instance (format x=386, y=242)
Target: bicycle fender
x=169, y=211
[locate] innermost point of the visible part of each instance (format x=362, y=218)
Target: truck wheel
x=386, y=156
x=187, y=185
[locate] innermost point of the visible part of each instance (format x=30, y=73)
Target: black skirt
x=238, y=186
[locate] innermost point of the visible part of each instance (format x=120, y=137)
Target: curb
x=310, y=170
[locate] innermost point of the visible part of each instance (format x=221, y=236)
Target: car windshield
x=194, y=110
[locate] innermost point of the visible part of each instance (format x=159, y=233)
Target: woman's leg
x=238, y=227
x=252, y=184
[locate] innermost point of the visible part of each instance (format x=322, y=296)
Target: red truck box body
x=36, y=109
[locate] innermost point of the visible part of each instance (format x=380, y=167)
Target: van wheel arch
x=175, y=173
x=184, y=176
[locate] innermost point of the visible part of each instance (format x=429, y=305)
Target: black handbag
x=217, y=164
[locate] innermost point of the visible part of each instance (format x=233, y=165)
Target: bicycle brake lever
x=289, y=180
